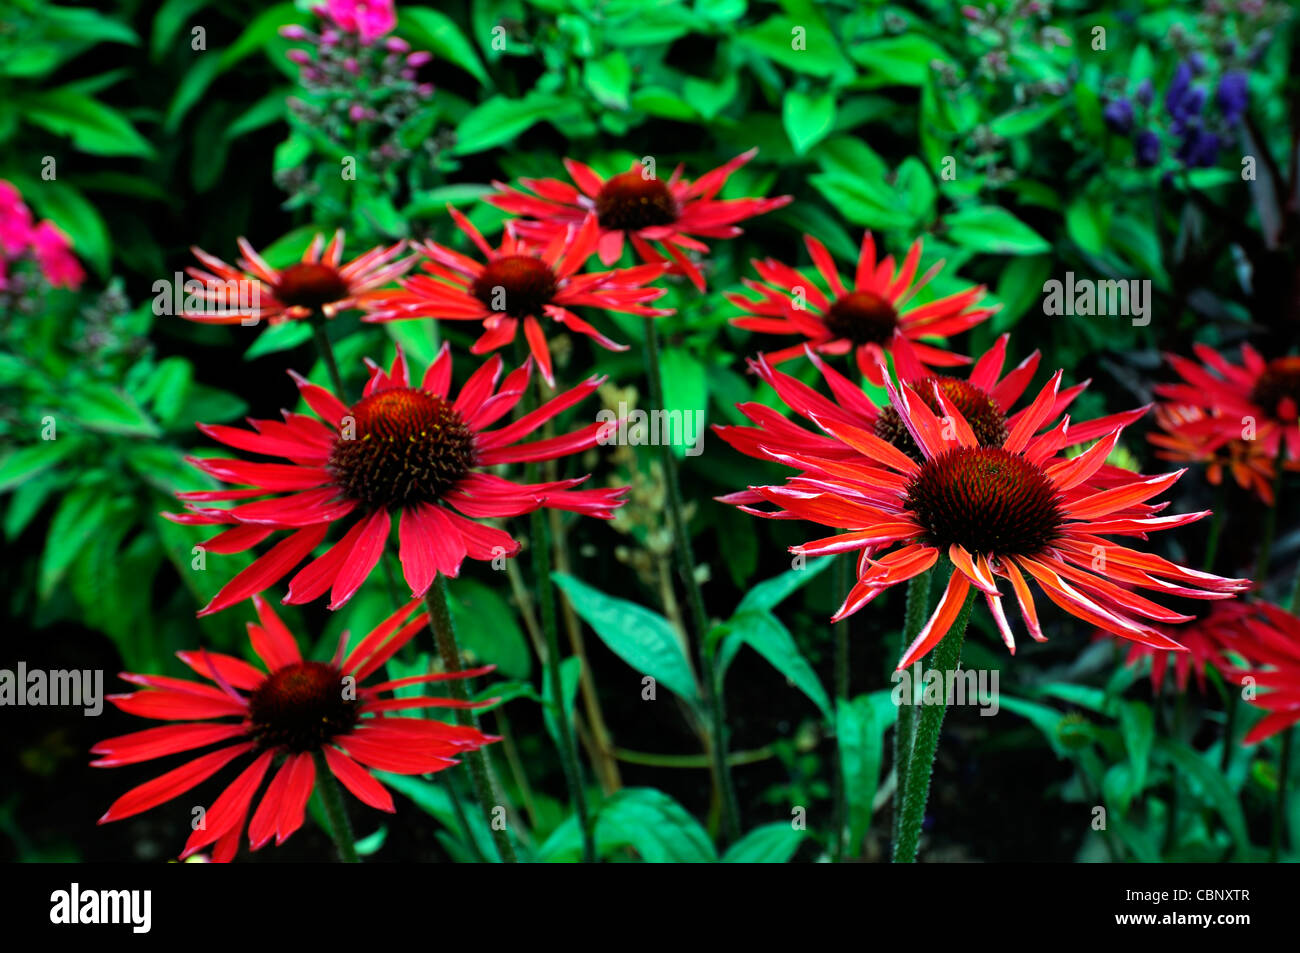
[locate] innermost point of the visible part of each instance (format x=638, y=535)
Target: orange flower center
x=631, y=202
x=302, y=706
x=980, y=410
x=399, y=447
x=517, y=285
x=308, y=285
x=985, y=499
x=1280, y=381
x=862, y=317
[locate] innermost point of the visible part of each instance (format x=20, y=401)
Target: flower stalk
x=331, y=799
x=919, y=765
x=685, y=559
x=444, y=633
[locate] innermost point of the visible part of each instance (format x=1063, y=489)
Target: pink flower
x=15, y=221
x=369, y=19
x=54, y=255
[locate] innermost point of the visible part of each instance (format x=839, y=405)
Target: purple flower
x=1199, y=150
x=1145, y=92
x=1147, y=148
x=1176, y=94
x=1233, y=96
x=1119, y=115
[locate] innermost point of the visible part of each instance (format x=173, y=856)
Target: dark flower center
x=402, y=446
x=631, y=202
x=517, y=285
x=862, y=317
x=308, y=285
x=985, y=499
x=1280, y=380
x=301, y=707
x=980, y=410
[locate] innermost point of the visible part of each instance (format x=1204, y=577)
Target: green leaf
x=686, y=400
x=860, y=727
x=1213, y=786
x=993, y=230
x=21, y=465
x=901, y=60
x=79, y=516
x=769, y=593
x=769, y=844
x=191, y=88
x=610, y=79
x=488, y=629
x=804, y=47
x=109, y=410
x=570, y=679
x=642, y=638
x=1019, y=122
x=279, y=337
x=808, y=117
x=167, y=23
x=498, y=120
x=655, y=826
x=435, y=201
x=764, y=633
x=861, y=201
x=438, y=33
x=92, y=126
x=1139, y=728
x=1087, y=222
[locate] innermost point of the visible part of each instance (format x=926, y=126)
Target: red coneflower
x=1258, y=401
x=518, y=283
x=646, y=210
x=1271, y=651
x=1224, y=625
x=1248, y=461
x=401, y=449
x=984, y=399
x=317, y=284
x=288, y=713
x=1009, y=510
x=870, y=316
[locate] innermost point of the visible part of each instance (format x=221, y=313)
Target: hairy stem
x=444, y=634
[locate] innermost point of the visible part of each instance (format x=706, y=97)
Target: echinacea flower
x=1012, y=510
x=1248, y=462
x=402, y=450
x=870, y=315
x=283, y=718
x=516, y=284
x=1257, y=400
x=985, y=400
x=1223, y=625
x=316, y=286
x=638, y=207
x=1271, y=653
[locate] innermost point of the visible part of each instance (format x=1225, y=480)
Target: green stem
x=1279, y=806
x=685, y=558
x=444, y=634
x=332, y=800
x=918, y=608
x=920, y=764
x=326, y=351
x=568, y=746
